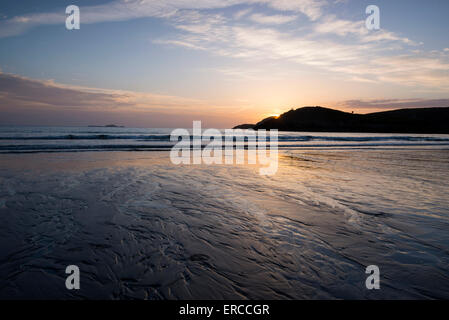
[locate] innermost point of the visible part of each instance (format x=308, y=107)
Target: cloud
x=25, y=92
x=240, y=14
x=389, y=104
x=363, y=58
x=343, y=47
x=313, y=9
x=330, y=24
x=274, y=19
x=29, y=101
x=122, y=10
x=25, y=101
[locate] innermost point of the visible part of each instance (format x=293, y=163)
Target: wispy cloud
x=313, y=9
x=365, y=57
x=22, y=99
x=123, y=10
x=388, y=104
x=344, y=47
x=240, y=14
x=22, y=91
x=271, y=19
x=330, y=24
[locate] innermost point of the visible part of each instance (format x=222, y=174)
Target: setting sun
x=200, y=152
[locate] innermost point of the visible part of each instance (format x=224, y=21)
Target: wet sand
x=139, y=227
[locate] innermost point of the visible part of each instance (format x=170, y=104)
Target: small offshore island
x=319, y=119
x=106, y=126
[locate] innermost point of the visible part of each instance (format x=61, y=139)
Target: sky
x=165, y=63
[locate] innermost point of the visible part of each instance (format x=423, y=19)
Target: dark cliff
x=318, y=119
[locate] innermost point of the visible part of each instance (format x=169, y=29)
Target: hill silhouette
x=319, y=119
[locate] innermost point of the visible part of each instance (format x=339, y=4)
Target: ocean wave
x=166, y=147
x=166, y=137
x=363, y=139
x=91, y=137
x=80, y=147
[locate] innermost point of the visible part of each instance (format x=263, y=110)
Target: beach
x=139, y=227
x=240, y=158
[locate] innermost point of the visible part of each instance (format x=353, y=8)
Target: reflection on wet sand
x=139, y=227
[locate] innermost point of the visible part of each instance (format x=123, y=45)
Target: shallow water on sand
x=140, y=227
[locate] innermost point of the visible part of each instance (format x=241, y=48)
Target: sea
x=110, y=201
x=54, y=139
